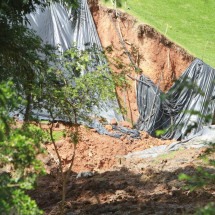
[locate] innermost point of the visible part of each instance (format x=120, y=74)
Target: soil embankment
x=159, y=58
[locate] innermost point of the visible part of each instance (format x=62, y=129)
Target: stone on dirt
x=84, y=175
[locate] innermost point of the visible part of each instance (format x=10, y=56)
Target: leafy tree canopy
x=27, y=81
x=16, y=10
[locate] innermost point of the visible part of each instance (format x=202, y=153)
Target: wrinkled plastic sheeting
x=180, y=112
x=52, y=24
x=118, y=131
x=203, y=138
x=148, y=102
x=63, y=28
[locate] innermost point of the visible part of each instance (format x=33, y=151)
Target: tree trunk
x=28, y=108
x=65, y=177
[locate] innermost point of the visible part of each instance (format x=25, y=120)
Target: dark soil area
x=134, y=186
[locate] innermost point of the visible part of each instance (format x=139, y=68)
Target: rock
x=123, y=137
x=64, y=156
x=57, y=125
x=164, y=161
x=90, y=154
x=69, y=157
x=93, y=130
x=109, y=127
x=113, y=122
x=125, y=124
x=59, y=143
x=144, y=135
x=84, y=175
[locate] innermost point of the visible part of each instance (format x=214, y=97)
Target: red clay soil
x=119, y=186
x=97, y=152
x=159, y=59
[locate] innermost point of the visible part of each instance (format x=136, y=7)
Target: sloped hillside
x=127, y=42
x=188, y=23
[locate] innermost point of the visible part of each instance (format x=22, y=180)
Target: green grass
x=58, y=135
x=189, y=23
x=44, y=121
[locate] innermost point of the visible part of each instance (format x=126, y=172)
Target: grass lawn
x=189, y=23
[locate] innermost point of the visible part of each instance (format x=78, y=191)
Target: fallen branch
x=135, y=79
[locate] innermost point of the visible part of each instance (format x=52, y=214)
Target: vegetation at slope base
x=191, y=24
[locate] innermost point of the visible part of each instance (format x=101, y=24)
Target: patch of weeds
x=44, y=122
x=169, y=155
x=58, y=135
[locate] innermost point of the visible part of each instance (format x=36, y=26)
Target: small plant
x=19, y=167
x=58, y=135
x=74, y=89
x=121, y=75
x=202, y=178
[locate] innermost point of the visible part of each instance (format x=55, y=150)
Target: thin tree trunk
x=28, y=108
x=65, y=180
x=65, y=176
x=56, y=150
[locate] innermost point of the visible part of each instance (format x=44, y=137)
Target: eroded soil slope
x=96, y=152
x=158, y=58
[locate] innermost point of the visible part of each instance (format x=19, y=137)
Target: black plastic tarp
x=64, y=28
x=184, y=109
x=179, y=112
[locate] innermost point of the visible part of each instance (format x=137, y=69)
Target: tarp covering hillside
x=180, y=112
x=184, y=109
x=64, y=27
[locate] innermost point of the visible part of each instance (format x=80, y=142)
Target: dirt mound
x=97, y=152
x=153, y=188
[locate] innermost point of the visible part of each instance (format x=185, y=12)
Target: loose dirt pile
x=97, y=152
x=120, y=186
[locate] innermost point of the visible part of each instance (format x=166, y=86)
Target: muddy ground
x=119, y=185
